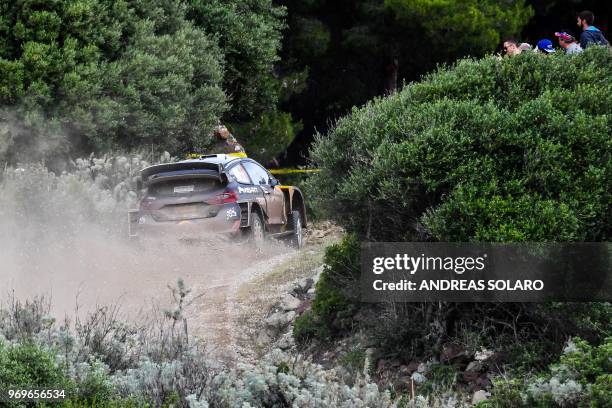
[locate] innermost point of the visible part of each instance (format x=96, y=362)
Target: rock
x=305, y=305
x=412, y=367
x=402, y=384
x=475, y=366
x=279, y=320
x=286, y=341
x=470, y=377
x=453, y=353
x=483, y=355
x=311, y=292
x=479, y=396
x=262, y=338
x=289, y=302
x=304, y=285
x=422, y=368
x=318, y=271
x=418, y=378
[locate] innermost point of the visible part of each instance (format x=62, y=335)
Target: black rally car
x=217, y=194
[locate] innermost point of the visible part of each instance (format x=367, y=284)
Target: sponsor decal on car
x=248, y=190
x=183, y=189
x=231, y=213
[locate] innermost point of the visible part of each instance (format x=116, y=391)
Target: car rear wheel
x=256, y=232
x=296, y=239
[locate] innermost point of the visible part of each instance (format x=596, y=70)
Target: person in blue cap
x=591, y=35
x=545, y=46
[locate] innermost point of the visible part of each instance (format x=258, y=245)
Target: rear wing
x=167, y=170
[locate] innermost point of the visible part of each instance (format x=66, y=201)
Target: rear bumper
x=226, y=221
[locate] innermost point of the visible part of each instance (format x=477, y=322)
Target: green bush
x=306, y=327
x=336, y=293
x=268, y=136
x=337, y=288
x=26, y=365
x=580, y=378
x=498, y=149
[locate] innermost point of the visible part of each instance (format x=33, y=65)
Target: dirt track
x=98, y=268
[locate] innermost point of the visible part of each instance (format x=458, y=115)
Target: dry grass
x=285, y=274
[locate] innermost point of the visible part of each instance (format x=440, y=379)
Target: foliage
x=250, y=34
x=100, y=74
x=164, y=91
x=103, y=74
x=27, y=364
x=268, y=135
x=90, y=192
x=492, y=150
x=306, y=328
x=336, y=293
x=356, y=50
x=465, y=27
x=282, y=380
x=158, y=366
x=580, y=378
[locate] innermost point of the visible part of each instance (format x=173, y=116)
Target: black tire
x=296, y=239
x=256, y=234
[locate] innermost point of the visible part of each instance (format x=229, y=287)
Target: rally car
x=219, y=194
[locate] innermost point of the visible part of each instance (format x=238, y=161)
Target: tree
x=103, y=74
x=165, y=90
x=356, y=50
x=249, y=32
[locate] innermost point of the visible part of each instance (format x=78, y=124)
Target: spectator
x=226, y=143
x=525, y=47
x=545, y=46
x=511, y=47
x=568, y=42
x=591, y=35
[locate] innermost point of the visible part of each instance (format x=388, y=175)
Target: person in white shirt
x=568, y=43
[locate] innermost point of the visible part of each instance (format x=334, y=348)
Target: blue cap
x=545, y=45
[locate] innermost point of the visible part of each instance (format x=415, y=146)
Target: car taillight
x=227, y=196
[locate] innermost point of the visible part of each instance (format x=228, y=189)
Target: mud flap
x=245, y=214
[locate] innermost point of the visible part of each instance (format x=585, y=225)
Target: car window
x=258, y=174
x=240, y=174
x=182, y=186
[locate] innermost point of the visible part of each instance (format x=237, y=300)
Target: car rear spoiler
x=161, y=170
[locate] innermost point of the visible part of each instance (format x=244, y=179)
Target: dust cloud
x=65, y=237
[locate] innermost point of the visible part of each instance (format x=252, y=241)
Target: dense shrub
x=26, y=365
x=580, y=378
x=337, y=293
x=498, y=149
x=511, y=149
x=281, y=380
x=159, y=366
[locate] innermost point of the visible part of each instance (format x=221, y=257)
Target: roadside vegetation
x=482, y=148
x=501, y=150
x=104, y=362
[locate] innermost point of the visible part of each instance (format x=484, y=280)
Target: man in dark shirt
x=225, y=142
x=591, y=35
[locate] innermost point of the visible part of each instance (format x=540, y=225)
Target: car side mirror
x=274, y=181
